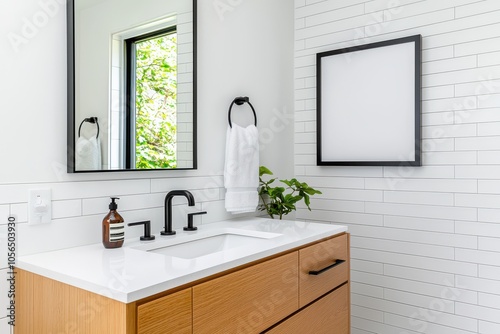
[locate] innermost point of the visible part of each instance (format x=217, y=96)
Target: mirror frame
x=71, y=126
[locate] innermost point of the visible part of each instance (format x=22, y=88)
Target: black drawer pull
x=336, y=263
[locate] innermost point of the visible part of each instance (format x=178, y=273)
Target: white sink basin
x=197, y=245
x=205, y=246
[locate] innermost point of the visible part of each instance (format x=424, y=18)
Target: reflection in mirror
x=131, y=85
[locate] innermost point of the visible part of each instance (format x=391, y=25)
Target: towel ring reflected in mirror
x=240, y=101
x=91, y=120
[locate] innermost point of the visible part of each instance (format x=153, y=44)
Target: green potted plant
x=279, y=201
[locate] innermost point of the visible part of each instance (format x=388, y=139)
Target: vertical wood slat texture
x=249, y=300
x=169, y=314
x=24, y=302
x=328, y=315
x=61, y=308
x=319, y=256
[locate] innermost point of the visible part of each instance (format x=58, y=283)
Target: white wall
x=241, y=52
x=425, y=241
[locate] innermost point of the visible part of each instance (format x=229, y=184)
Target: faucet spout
x=168, y=208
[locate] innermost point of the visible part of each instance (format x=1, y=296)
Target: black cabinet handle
x=336, y=263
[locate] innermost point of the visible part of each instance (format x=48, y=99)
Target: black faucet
x=168, y=208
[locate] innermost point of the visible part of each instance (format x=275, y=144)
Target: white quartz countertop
x=131, y=272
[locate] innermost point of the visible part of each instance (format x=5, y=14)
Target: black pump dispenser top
x=113, y=205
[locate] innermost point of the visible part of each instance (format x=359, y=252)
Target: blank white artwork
x=368, y=105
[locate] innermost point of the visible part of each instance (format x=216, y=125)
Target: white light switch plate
x=40, y=206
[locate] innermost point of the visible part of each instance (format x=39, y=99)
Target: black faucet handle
x=147, y=230
x=190, y=226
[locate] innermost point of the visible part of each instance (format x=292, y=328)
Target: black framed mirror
x=131, y=85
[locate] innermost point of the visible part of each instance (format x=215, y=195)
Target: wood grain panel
x=247, y=301
x=317, y=257
x=169, y=314
x=61, y=308
x=328, y=315
x=24, y=302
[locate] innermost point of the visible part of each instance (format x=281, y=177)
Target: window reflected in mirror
x=151, y=72
x=154, y=66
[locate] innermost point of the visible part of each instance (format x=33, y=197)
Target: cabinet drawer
x=328, y=315
x=322, y=267
x=169, y=314
x=249, y=300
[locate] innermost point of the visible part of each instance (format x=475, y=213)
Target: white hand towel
x=88, y=153
x=241, y=169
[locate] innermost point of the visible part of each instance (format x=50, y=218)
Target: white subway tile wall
x=425, y=241
x=77, y=208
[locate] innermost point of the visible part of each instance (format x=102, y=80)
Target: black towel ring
x=92, y=120
x=239, y=101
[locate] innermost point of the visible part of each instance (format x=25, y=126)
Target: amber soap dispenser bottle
x=113, y=227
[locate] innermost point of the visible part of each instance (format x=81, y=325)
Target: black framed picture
x=368, y=104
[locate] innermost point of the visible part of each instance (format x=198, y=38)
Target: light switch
x=40, y=206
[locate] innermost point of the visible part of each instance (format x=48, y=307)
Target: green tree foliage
x=156, y=101
x=280, y=201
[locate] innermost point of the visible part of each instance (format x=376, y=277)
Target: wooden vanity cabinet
x=305, y=290
x=328, y=315
x=249, y=300
x=169, y=314
x=323, y=267
x=46, y=306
